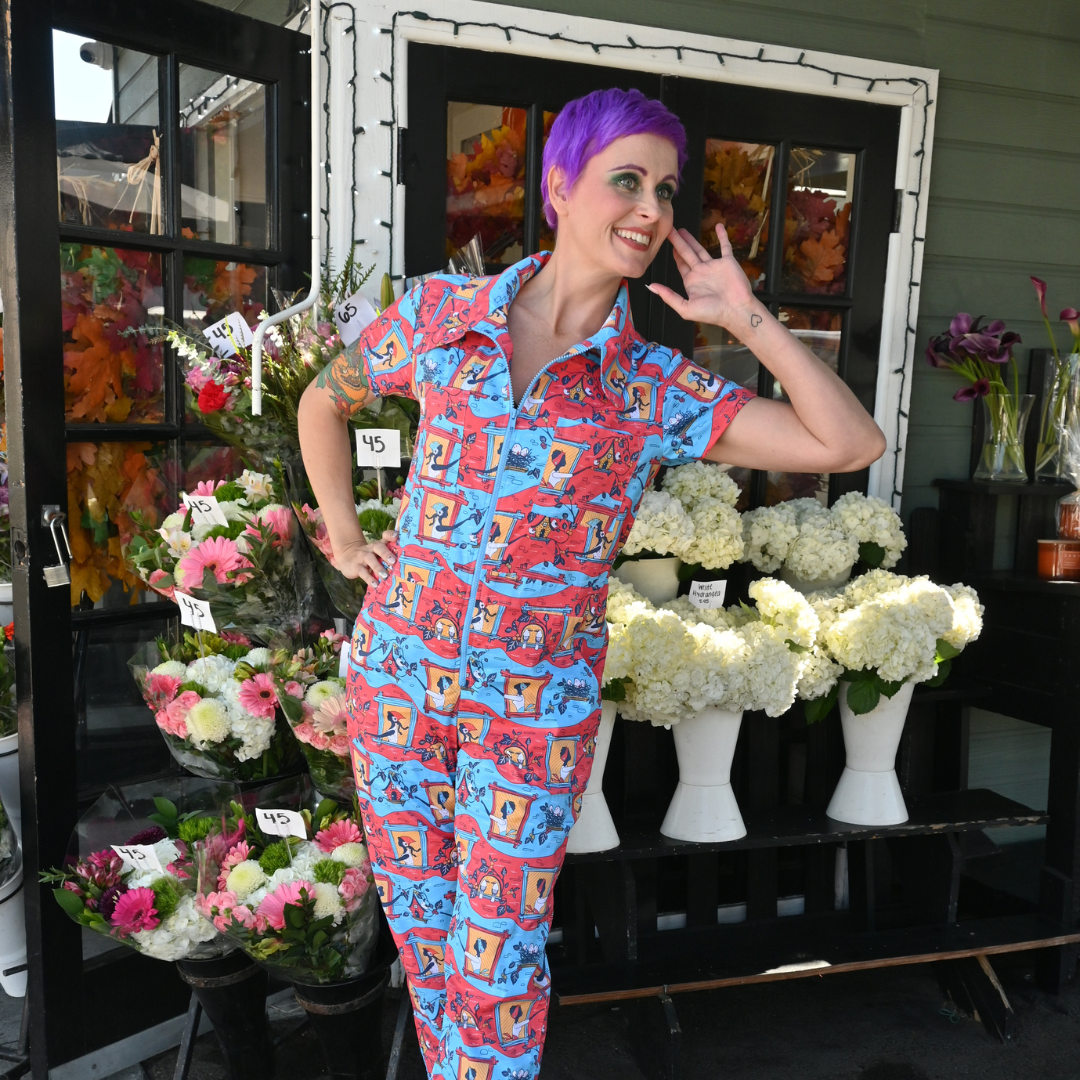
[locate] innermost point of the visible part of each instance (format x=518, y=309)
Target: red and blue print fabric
x=474, y=678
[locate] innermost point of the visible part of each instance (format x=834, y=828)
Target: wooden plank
x=1018, y=120
x=1045, y=19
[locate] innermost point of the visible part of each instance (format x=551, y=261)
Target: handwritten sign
x=195, y=613
x=205, y=510
x=139, y=857
x=351, y=316
x=707, y=594
x=281, y=822
x=378, y=448
x=229, y=334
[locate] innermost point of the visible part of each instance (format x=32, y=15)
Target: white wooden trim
x=912, y=88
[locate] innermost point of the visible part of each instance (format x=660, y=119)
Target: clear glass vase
x=1005, y=420
x=1061, y=391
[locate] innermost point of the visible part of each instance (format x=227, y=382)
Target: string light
x=356, y=128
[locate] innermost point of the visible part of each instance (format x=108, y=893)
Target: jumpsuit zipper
x=486, y=532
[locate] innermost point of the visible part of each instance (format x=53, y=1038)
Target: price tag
x=204, y=510
x=707, y=594
x=195, y=613
x=281, y=822
x=229, y=334
x=343, y=661
x=139, y=856
x=351, y=316
x=378, y=448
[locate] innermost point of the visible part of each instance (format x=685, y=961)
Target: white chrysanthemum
x=179, y=935
x=257, y=658
x=700, y=481
x=967, y=616
x=208, y=722
x=320, y=691
x=871, y=520
x=173, y=668
x=257, y=485
x=662, y=526
x=327, y=902
x=352, y=854
x=244, y=878
x=718, y=534
x=210, y=671
x=173, y=521
x=236, y=511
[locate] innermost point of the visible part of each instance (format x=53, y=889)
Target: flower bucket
x=9, y=781
x=656, y=579
x=703, y=808
x=346, y=1017
x=13, y=932
x=7, y=612
x=594, y=830
x=820, y=585
x=868, y=792
x=232, y=992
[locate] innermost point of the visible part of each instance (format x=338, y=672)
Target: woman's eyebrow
x=644, y=172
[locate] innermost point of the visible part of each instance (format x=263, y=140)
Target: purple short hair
x=592, y=123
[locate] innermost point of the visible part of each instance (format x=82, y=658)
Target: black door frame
x=77, y=1007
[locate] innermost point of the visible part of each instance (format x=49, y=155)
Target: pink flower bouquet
x=217, y=704
x=246, y=568
x=143, y=895
x=306, y=908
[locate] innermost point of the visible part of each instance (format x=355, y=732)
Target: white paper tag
x=351, y=316
x=378, y=448
x=281, y=822
x=705, y=595
x=229, y=334
x=195, y=613
x=204, y=510
x=139, y=857
x=343, y=661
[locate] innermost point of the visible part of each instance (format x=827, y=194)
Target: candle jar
x=1059, y=560
x=1068, y=517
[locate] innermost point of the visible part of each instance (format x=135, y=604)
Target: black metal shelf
x=797, y=826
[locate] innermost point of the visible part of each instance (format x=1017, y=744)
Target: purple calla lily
x=979, y=388
x=1071, y=316
x=1040, y=291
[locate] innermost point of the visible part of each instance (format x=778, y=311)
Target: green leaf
x=295, y=915
x=944, y=667
x=165, y=807
x=688, y=571
x=73, y=905
x=293, y=708
x=872, y=554
x=614, y=690
x=945, y=651
x=863, y=696
x=817, y=709
x=795, y=647
x=889, y=689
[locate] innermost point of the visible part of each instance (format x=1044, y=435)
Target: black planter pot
x=232, y=992
x=346, y=1017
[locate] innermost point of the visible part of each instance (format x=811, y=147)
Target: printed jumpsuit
x=475, y=668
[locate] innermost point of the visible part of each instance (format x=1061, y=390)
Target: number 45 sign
x=378, y=448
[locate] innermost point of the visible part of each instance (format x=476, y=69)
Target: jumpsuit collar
x=612, y=343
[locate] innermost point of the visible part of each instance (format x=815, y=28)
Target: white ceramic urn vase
x=869, y=792
x=819, y=585
x=9, y=781
x=656, y=579
x=703, y=808
x=13, y=932
x=594, y=830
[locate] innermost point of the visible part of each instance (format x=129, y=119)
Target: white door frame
x=377, y=43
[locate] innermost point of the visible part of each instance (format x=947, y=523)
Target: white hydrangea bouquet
x=306, y=907
x=884, y=630
x=807, y=541
x=216, y=702
x=692, y=517
x=674, y=660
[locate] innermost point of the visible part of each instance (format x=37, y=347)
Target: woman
x=497, y=356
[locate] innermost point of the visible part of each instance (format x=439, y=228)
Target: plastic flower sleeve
x=305, y=907
x=9, y=848
x=216, y=705
x=143, y=896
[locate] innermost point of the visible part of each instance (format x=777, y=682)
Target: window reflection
x=817, y=228
x=213, y=288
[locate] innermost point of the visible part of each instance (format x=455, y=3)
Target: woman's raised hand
x=368, y=561
x=717, y=290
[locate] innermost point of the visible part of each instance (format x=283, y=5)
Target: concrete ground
x=880, y=1025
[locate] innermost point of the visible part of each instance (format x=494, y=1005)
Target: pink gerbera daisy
x=273, y=906
x=332, y=717
x=219, y=554
x=258, y=695
x=207, y=487
x=341, y=832
x=135, y=911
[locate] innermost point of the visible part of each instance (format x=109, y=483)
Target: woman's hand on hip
x=369, y=562
x=717, y=290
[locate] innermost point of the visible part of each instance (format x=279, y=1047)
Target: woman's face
x=618, y=213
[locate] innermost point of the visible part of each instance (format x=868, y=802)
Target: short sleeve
x=696, y=407
x=381, y=362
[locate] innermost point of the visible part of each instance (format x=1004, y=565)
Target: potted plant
x=879, y=636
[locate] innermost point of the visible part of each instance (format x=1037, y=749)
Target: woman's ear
x=558, y=191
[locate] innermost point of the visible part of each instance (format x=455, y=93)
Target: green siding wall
x=1005, y=178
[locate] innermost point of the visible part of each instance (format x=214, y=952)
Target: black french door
x=471, y=164
x=165, y=182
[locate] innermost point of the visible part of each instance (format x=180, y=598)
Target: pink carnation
x=339, y=744
x=248, y=919
x=341, y=832
x=173, y=718
x=294, y=689
x=135, y=911
x=258, y=695
x=273, y=906
x=197, y=379
x=233, y=637
x=304, y=732
x=354, y=885
x=156, y=577
x=235, y=856
x=319, y=740
x=160, y=690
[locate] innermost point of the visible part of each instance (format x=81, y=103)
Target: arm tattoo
x=755, y=321
x=346, y=379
